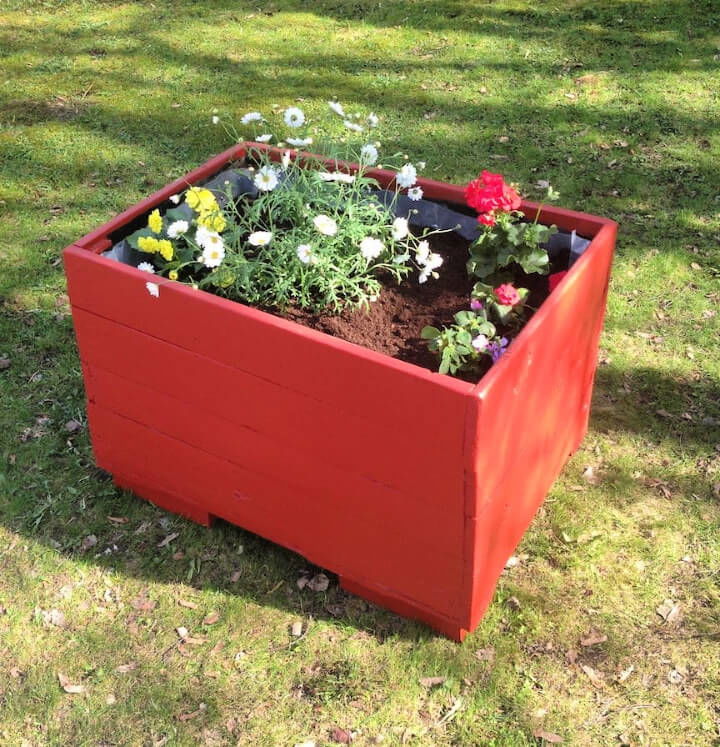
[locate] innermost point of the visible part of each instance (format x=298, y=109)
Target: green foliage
x=510, y=241
x=509, y=315
x=454, y=344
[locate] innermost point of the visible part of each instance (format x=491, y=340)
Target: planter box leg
x=167, y=501
x=406, y=608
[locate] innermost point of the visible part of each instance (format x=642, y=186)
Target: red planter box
x=413, y=487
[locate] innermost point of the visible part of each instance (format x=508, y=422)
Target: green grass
x=616, y=104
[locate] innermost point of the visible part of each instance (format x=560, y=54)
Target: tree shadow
x=55, y=496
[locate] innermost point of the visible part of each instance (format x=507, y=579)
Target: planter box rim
x=97, y=241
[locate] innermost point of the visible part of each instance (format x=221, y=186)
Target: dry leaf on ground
x=597, y=678
x=593, y=638
x=432, y=681
x=547, y=736
x=319, y=582
x=187, y=716
x=53, y=617
x=669, y=611
x=485, y=654
x=168, y=539
x=340, y=736
x=211, y=618
x=68, y=687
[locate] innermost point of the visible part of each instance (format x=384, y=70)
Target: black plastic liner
x=238, y=183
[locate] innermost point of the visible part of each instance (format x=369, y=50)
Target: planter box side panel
x=533, y=414
x=352, y=463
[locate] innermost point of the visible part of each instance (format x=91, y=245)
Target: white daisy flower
x=353, y=126
x=213, y=256
x=369, y=154
x=407, y=176
x=215, y=119
x=434, y=261
x=146, y=267
x=251, y=117
x=207, y=239
x=153, y=289
x=299, y=142
x=266, y=179
x=175, y=199
x=400, y=228
x=177, y=228
x=325, y=225
x=336, y=106
x=336, y=176
x=415, y=193
x=305, y=253
x=372, y=120
x=260, y=238
x=422, y=252
x=294, y=117
x=431, y=263
x=263, y=138
x=371, y=248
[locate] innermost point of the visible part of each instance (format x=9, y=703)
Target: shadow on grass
x=618, y=38
x=54, y=494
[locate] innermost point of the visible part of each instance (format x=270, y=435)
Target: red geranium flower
x=490, y=193
x=507, y=294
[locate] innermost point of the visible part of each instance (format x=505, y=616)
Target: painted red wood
x=313, y=523
x=532, y=408
x=413, y=487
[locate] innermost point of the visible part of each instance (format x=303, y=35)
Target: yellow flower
x=148, y=244
x=213, y=221
x=155, y=221
x=201, y=200
x=166, y=249
x=173, y=275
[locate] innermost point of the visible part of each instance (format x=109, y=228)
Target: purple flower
x=496, y=349
x=476, y=305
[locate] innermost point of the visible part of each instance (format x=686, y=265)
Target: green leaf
x=535, y=261
x=464, y=317
x=502, y=312
x=174, y=214
x=482, y=289
x=464, y=337
x=429, y=333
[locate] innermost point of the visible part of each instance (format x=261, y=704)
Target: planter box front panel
x=309, y=521
x=414, y=487
x=341, y=435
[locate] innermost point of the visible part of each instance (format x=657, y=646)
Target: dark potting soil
x=392, y=324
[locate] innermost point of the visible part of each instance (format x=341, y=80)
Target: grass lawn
x=607, y=631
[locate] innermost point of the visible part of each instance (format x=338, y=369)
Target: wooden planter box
x=413, y=487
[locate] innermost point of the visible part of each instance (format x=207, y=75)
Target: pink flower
x=507, y=294
x=476, y=305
